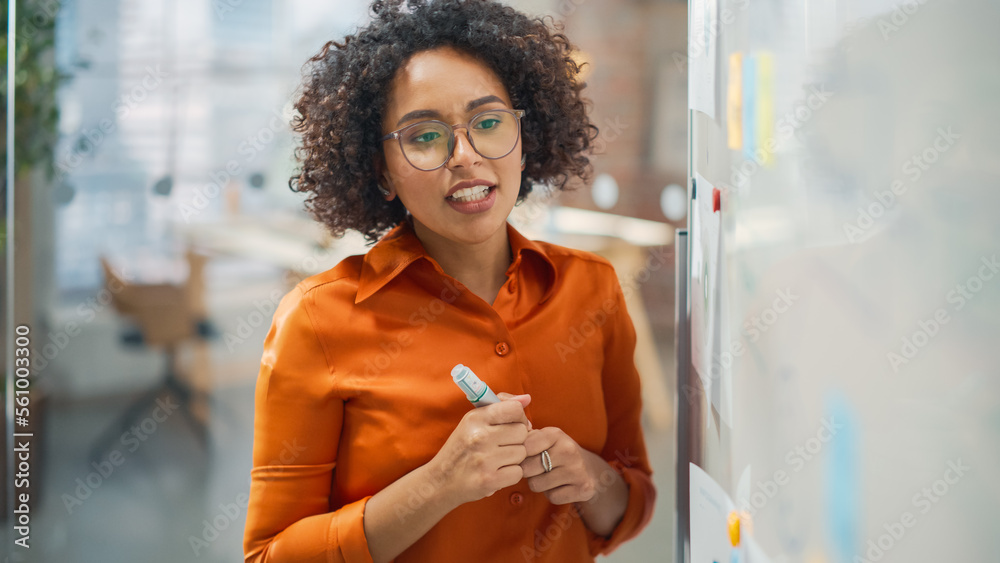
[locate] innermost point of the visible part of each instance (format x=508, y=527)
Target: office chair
x=162, y=316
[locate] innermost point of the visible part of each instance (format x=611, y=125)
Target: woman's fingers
x=546, y=481
x=564, y=494
x=511, y=410
x=568, y=479
x=543, y=439
x=507, y=476
x=513, y=433
x=523, y=399
x=487, y=451
x=533, y=465
x=511, y=455
x=480, y=457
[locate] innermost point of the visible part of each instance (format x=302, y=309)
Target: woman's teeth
x=470, y=194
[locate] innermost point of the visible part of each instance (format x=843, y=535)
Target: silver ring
x=546, y=461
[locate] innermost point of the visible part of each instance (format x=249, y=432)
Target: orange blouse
x=355, y=391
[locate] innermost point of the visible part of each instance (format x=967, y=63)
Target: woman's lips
x=477, y=206
x=470, y=194
x=466, y=184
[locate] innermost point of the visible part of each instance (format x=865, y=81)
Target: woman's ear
x=382, y=177
x=385, y=186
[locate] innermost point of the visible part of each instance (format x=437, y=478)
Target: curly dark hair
x=345, y=88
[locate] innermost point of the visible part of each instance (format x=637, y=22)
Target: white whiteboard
x=859, y=296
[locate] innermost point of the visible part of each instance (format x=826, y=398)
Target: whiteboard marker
x=478, y=393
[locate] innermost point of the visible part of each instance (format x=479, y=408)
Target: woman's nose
x=464, y=154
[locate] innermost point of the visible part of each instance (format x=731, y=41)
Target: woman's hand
x=576, y=476
x=484, y=452
x=481, y=456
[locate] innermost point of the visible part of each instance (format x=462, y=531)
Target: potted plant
x=35, y=119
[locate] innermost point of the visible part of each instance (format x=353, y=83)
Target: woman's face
x=447, y=85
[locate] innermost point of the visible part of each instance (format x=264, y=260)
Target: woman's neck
x=481, y=267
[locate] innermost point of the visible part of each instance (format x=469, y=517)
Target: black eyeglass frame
x=398, y=135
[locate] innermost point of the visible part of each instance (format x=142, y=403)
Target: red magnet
x=716, y=200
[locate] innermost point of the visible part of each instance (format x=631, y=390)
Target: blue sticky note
x=842, y=483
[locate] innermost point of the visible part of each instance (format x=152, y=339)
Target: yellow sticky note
x=734, y=101
x=734, y=528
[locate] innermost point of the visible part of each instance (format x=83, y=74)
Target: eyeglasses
x=428, y=145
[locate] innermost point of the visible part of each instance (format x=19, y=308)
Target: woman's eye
x=427, y=137
x=488, y=123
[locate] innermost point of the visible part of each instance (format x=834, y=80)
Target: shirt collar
x=400, y=247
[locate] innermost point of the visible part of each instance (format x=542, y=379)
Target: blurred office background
x=149, y=263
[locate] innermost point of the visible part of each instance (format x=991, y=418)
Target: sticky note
x=758, y=108
x=765, y=107
x=734, y=102
x=842, y=483
x=734, y=528
x=749, y=107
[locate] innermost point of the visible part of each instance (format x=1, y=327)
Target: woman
x=433, y=122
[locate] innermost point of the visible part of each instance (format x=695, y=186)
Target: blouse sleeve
x=297, y=425
x=625, y=448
